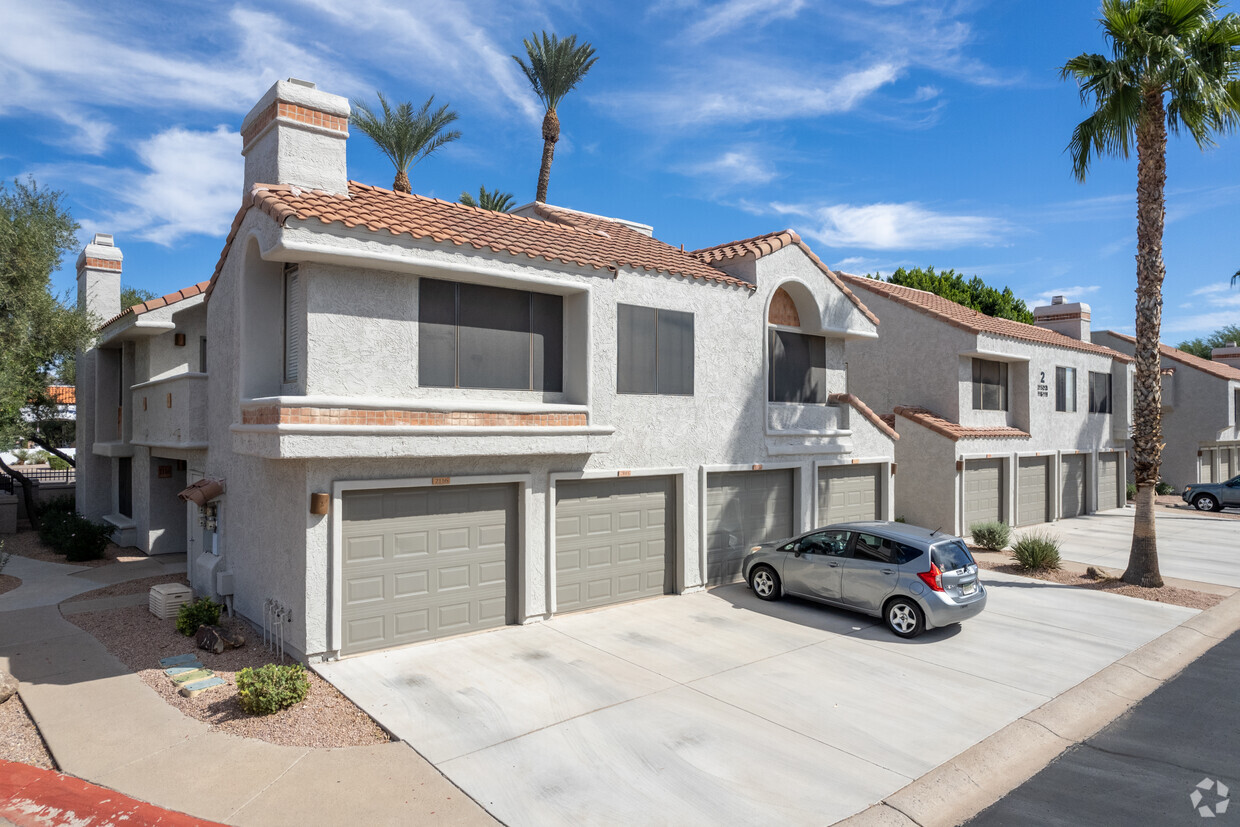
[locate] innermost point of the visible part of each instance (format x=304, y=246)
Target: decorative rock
x=194, y=675
x=178, y=660
x=8, y=686
x=214, y=639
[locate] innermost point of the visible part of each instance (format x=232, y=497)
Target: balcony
x=793, y=428
x=171, y=412
x=303, y=427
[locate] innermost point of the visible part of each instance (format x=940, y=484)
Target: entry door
x=1073, y=495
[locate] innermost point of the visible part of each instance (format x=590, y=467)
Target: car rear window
x=951, y=556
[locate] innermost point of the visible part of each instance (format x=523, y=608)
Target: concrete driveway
x=717, y=708
x=1191, y=545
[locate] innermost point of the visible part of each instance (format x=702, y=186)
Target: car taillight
x=933, y=578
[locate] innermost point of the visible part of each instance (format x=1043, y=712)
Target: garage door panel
x=1073, y=485
x=421, y=563
x=611, y=540
x=1032, y=490
x=1108, y=480
x=1207, y=465
x=849, y=493
x=983, y=491
x=744, y=508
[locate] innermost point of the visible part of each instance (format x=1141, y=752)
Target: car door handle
x=888, y=571
x=833, y=564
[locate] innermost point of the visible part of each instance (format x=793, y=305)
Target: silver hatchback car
x=913, y=578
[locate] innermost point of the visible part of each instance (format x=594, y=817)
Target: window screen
x=798, y=367
x=1099, y=392
x=654, y=351
x=990, y=380
x=1065, y=389
x=476, y=336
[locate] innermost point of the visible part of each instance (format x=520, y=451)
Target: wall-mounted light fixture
x=320, y=503
x=178, y=339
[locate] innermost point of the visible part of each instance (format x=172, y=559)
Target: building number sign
x=1043, y=389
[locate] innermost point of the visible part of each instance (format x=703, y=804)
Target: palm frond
x=488, y=200
x=403, y=136
x=555, y=66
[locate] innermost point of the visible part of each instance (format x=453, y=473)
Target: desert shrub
x=271, y=688
x=57, y=464
x=991, y=535
x=1036, y=550
x=1132, y=490
x=901, y=520
x=54, y=529
x=202, y=612
x=1164, y=488
x=80, y=539
x=21, y=455
x=38, y=458
x=64, y=504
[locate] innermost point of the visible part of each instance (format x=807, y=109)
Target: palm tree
x=403, y=136
x=489, y=200
x=555, y=67
x=1174, y=65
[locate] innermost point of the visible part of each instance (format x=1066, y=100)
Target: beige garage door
x=849, y=492
x=421, y=563
x=1207, y=465
x=1033, y=490
x=1072, y=468
x=1108, y=480
x=983, y=491
x=744, y=508
x=612, y=540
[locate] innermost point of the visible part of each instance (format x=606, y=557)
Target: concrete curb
x=959, y=789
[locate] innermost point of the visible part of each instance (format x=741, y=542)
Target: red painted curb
x=31, y=797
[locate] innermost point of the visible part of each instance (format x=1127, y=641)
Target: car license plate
x=969, y=588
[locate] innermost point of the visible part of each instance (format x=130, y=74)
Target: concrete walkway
x=46, y=584
x=103, y=724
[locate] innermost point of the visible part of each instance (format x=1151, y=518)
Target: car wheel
x=765, y=583
x=1205, y=502
x=904, y=617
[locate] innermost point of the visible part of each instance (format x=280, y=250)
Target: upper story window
x=294, y=321
x=798, y=367
x=1235, y=410
x=654, y=351
x=475, y=336
x=1099, y=392
x=990, y=385
x=1065, y=389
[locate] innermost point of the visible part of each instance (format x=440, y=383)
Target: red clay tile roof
x=879, y=422
x=62, y=394
x=955, y=431
x=1176, y=355
x=763, y=245
x=564, y=236
x=957, y=315
x=163, y=301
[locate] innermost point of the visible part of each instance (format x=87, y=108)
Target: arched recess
x=796, y=362
x=261, y=308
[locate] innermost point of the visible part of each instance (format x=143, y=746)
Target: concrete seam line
x=982, y=799
x=272, y=783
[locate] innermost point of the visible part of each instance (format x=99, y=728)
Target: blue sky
x=885, y=132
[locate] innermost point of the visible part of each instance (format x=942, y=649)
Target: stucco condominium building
x=430, y=419
x=1200, y=408
x=998, y=420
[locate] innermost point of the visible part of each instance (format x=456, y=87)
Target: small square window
x=990, y=385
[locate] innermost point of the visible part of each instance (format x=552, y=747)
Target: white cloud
x=733, y=14
x=740, y=165
x=1221, y=289
x=1072, y=294
x=894, y=226
x=741, y=91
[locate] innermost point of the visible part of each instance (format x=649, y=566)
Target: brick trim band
x=279, y=415
x=101, y=264
x=294, y=112
x=1059, y=317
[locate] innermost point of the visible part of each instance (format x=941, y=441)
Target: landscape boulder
x=214, y=639
x=8, y=686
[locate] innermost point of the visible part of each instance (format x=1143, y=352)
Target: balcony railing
x=171, y=412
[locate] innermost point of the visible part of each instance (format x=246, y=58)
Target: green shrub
x=21, y=455
x=901, y=520
x=202, y=612
x=64, y=504
x=1164, y=488
x=1037, y=551
x=991, y=535
x=81, y=539
x=1132, y=490
x=57, y=464
x=53, y=526
x=39, y=458
x=271, y=688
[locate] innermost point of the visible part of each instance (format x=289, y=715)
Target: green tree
x=1174, y=65
x=489, y=200
x=555, y=66
x=1220, y=338
x=404, y=136
x=38, y=329
x=131, y=295
x=973, y=293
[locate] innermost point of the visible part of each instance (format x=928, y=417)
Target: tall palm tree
x=403, y=136
x=555, y=67
x=1174, y=64
x=489, y=200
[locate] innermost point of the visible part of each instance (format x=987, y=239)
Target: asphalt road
x=1144, y=767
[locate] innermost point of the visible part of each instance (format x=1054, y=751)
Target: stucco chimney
x=99, y=278
x=1068, y=319
x=296, y=135
x=1229, y=355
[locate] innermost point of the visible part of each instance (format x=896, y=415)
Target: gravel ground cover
x=19, y=738
x=141, y=586
x=26, y=544
x=1167, y=594
x=138, y=639
x=8, y=582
